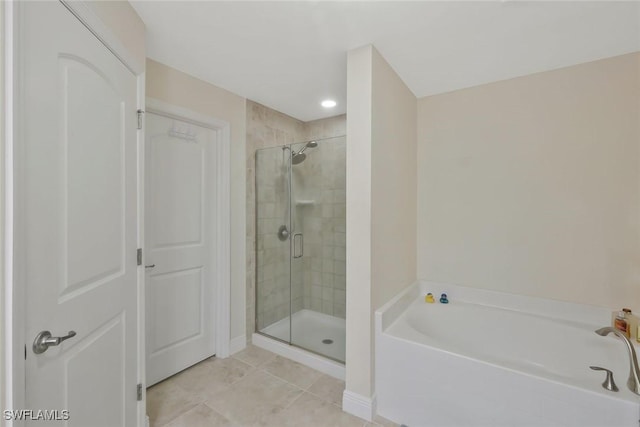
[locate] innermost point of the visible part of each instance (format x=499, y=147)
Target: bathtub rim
x=546, y=307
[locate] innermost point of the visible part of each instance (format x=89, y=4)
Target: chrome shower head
x=298, y=158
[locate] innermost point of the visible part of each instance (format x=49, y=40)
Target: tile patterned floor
x=252, y=388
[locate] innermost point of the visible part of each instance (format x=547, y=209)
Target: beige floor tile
x=212, y=376
x=201, y=416
x=311, y=411
x=166, y=401
x=328, y=388
x=383, y=422
x=257, y=394
x=293, y=372
x=254, y=356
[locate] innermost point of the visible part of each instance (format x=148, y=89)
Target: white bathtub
x=494, y=359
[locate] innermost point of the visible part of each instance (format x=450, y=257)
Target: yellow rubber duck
x=429, y=298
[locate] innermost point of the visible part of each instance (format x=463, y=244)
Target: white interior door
x=76, y=219
x=180, y=211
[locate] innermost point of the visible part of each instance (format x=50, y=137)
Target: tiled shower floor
x=252, y=388
x=311, y=330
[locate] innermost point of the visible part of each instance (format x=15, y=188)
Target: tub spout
x=634, y=372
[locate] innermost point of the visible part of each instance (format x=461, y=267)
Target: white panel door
x=76, y=222
x=180, y=243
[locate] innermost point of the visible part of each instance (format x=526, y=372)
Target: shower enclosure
x=300, y=247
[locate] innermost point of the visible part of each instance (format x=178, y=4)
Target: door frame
x=222, y=273
x=12, y=359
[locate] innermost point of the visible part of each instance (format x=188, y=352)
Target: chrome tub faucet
x=634, y=372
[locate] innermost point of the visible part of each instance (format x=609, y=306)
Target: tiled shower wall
x=269, y=128
x=320, y=181
x=273, y=254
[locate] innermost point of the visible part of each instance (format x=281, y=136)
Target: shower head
x=299, y=157
x=310, y=144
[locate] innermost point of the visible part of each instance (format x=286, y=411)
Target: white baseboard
x=312, y=360
x=237, y=344
x=358, y=405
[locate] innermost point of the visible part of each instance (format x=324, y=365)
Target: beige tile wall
x=267, y=128
x=322, y=180
x=272, y=256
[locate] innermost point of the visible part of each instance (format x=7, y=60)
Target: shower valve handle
x=283, y=233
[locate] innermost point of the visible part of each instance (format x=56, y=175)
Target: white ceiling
x=290, y=55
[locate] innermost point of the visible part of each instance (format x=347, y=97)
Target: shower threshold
x=322, y=335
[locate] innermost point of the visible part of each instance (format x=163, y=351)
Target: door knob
x=44, y=340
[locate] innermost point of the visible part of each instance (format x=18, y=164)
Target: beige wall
x=381, y=206
x=531, y=185
x=125, y=24
x=177, y=88
x=359, y=345
x=393, y=184
x=326, y=128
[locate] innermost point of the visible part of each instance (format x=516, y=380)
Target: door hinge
x=139, y=392
x=140, y=114
x=139, y=256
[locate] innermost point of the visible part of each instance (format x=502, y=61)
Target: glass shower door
x=300, y=247
x=273, y=251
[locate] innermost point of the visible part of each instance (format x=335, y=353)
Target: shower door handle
x=298, y=245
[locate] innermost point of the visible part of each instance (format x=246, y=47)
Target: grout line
x=243, y=362
x=294, y=400
x=189, y=393
x=218, y=413
x=183, y=413
x=250, y=364
x=282, y=379
x=197, y=399
x=289, y=382
x=302, y=389
x=314, y=381
x=178, y=415
x=324, y=399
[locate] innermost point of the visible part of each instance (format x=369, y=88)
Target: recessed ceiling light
x=328, y=103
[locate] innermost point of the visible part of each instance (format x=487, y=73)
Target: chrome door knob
x=44, y=340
